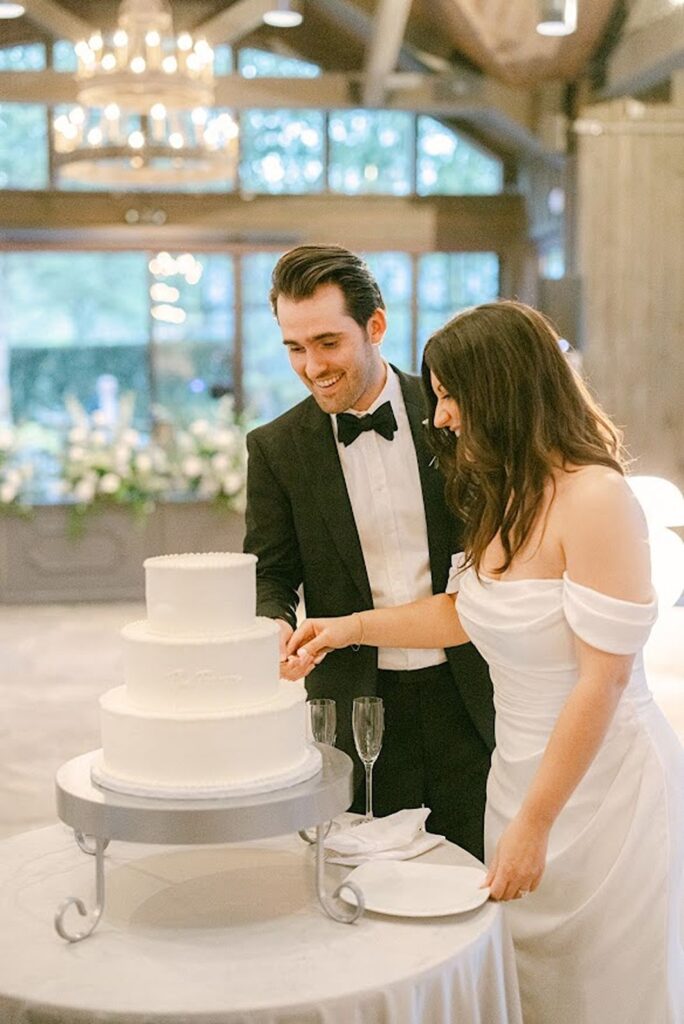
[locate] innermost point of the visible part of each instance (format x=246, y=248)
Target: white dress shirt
x=384, y=488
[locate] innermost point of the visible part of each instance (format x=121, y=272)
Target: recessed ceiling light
x=11, y=10
x=283, y=14
x=557, y=17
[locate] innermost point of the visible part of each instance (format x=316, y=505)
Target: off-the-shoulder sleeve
x=608, y=623
x=454, y=582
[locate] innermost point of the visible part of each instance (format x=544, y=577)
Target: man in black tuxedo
x=344, y=499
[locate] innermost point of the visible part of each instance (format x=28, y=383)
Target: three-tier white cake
x=202, y=711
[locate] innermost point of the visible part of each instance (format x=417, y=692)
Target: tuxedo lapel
x=315, y=442
x=439, y=528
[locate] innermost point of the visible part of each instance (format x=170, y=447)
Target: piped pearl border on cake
x=300, y=773
x=200, y=560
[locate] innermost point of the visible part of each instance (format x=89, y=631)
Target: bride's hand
x=519, y=860
x=316, y=637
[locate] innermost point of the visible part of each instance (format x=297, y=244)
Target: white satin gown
x=601, y=940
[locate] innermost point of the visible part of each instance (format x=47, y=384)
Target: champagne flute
x=323, y=721
x=368, y=723
x=323, y=718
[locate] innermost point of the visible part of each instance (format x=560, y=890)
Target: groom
x=344, y=500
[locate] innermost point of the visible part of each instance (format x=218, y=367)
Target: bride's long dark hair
x=524, y=412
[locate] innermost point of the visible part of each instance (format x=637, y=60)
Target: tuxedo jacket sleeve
x=301, y=526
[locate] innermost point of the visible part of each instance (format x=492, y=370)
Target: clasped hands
x=304, y=648
x=518, y=863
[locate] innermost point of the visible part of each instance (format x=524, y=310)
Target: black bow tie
x=349, y=427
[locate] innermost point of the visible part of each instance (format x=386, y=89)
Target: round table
x=233, y=934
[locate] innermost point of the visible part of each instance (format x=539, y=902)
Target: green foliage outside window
x=270, y=384
x=192, y=361
x=449, y=282
x=23, y=145
x=282, y=151
x=30, y=57
x=223, y=60
x=370, y=152
x=254, y=63
x=393, y=272
x=70, y=319
x=449, y=164
x=64, y=56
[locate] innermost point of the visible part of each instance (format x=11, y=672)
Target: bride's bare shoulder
x=595, y=485
x=603, y=532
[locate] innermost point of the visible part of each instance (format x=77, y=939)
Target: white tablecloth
x=228, y=934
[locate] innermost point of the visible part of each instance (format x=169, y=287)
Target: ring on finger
x=521, y=893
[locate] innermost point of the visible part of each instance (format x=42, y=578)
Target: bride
x=584, y=827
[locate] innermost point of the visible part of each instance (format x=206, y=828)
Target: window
x=262, y=63
x=448, y=282
x=23, y=145
x=282, y=151
x=73, y=319
x=371, y=152
x=351, y=152
x=23, y=58
x=64, y=56
x=552, y=260
x=270, y=385
x=449, y=164
x=394, y=273
x=174, y=328
x=192, y=311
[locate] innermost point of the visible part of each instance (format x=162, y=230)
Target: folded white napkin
x=399, y=836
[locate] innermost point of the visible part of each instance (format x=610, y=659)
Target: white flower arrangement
x=108, y=461
x=210, y=459
x=14, y=475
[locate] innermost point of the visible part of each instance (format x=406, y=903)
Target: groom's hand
x=286, y=632
x=292, y=667
x=289, y=667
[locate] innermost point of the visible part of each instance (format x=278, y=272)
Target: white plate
x=404, y=889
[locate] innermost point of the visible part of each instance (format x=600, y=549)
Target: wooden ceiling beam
x=383, y=51
x=57, y=20
x=96, y=220
x=347, y=18
x=234, y=22
x=646, y=57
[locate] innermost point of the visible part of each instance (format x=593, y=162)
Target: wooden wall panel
x=631, y=259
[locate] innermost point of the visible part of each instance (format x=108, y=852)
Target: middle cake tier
x=203, y=674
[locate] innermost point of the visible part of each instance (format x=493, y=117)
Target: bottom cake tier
x=253, y=750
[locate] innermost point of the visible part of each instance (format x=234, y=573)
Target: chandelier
x=142, y=62
x=142, y=119
x=161, y=149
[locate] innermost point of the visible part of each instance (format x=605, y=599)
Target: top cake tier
x=200, y=594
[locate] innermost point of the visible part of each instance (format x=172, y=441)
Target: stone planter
x=39, y=562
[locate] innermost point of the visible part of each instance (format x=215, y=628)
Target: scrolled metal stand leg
x=83, y=844
x=338, y=911
x=96, y=914
x=303, y=834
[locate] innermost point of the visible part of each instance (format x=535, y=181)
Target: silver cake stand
x=98, y=815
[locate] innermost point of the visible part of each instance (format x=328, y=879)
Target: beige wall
x=631, y=261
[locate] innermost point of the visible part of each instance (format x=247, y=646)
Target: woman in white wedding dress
x=584, y=828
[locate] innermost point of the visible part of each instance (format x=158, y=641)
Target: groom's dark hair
x=301, y=271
